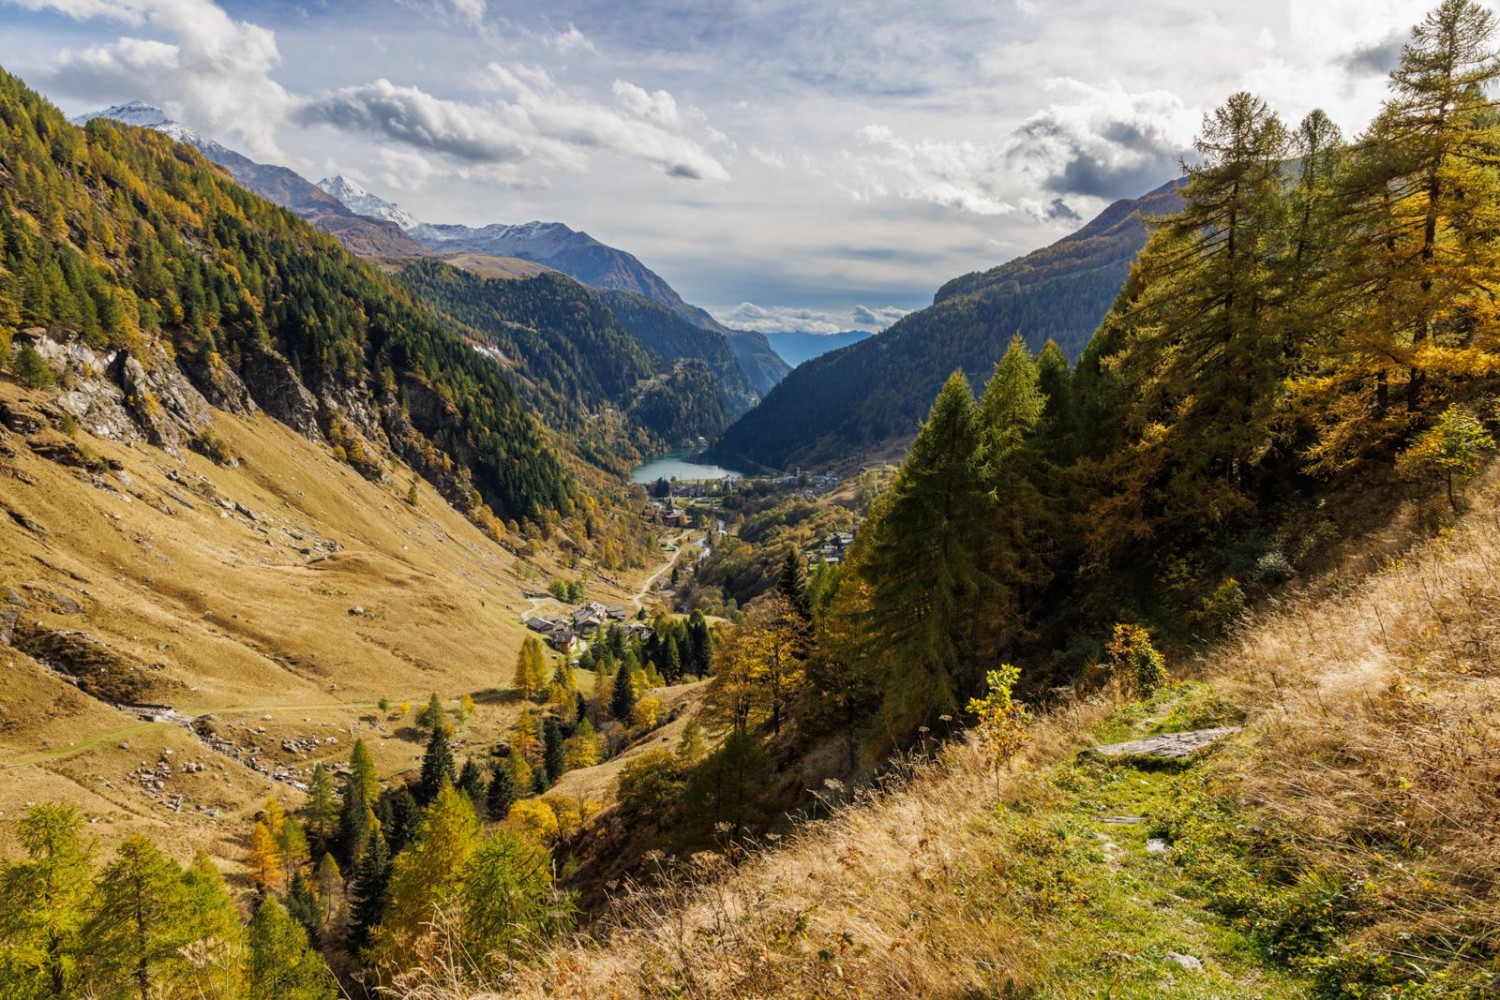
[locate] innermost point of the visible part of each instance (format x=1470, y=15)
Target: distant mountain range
x=797, y=347
x=868, y=396
x=373, y=227
x=574, y=253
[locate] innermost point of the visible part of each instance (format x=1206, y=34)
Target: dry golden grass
x=226, y=614
x=1373, y=739
x=1376, y=713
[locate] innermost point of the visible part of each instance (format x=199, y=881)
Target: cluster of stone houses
x=562, y=634
x=832, y=549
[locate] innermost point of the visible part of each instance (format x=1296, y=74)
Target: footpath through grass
x=1085, y=866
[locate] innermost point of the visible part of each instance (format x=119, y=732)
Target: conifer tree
x=1411, y=327
x=730, y=790
x=926, y=587
x=508, y=898
x=792, y=583
x=330, y=889
x=432, y=715
x=1202, y=355
x=553, y=761
x=43, y=903
x=264, y=858
x=137, y=933
x=368, y=887
x=1059, y=420
x=1014, y=546
x=426, y=878
x=471, y=782
x=282, y=965
x=216, y=971
x=320, y=813
x=501, y=794
x=622, y=702
x=531, y=668
x=403, y=816
x=361, y=795
x=302, y=905
x=292, y=847
x=437, y=765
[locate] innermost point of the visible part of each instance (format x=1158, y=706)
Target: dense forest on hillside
x=849, y=402
x=125, y=236
x=577, y=361
x=1317, y=321
x=673, y=337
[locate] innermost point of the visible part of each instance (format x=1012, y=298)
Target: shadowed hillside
x=853, y=401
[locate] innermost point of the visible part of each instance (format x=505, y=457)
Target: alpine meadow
x=455, y=610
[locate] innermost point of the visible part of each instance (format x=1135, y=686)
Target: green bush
x=1134, y=658
x=1224, y=607
x=214, y=448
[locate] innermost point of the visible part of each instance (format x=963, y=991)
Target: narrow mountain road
x=640, y=595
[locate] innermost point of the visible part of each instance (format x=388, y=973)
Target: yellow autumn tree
x=426, y=881
x=264, y=858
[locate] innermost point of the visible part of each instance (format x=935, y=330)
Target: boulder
x=1168, y=746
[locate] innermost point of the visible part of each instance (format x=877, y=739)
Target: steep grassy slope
x=285, y=596
x=852, y=402
x=1340, y=845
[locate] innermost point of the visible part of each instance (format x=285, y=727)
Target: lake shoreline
x=681, y=466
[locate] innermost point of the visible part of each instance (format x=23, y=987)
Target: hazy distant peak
x=361, y=202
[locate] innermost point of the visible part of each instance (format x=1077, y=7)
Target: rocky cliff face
x=156, y=398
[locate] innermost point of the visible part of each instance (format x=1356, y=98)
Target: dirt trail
x=676, y=543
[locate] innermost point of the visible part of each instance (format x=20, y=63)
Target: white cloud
x=541, y=123
x=777, y=319
x=569, y=41
x=1104, y=142
x=878, y=318
x=796, y=319
x=470, y=10
x=215, y=73
x=465, y=132
x=658, y=106
x=955, y=174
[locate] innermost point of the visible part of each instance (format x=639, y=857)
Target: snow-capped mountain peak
x=149, y=116
x=361, y=202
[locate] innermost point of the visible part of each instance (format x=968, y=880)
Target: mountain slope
x=278, y=185
x=855, y=400
x=575, y=361
x=659, y=328
x=1295, y=860
x=762, y=365
x=577, y=255
x=120, y=239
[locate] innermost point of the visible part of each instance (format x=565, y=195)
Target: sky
x=787, y=165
